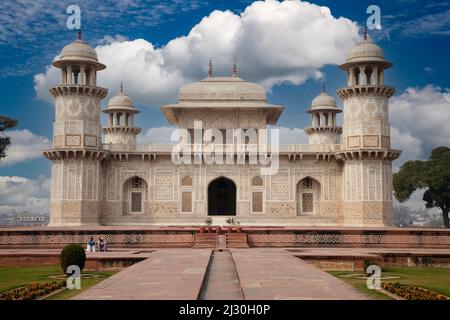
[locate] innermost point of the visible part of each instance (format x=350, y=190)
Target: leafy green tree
x=432, y=175
x=5, y=123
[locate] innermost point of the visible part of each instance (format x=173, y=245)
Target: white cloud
x=292, y=136
x=273, y=41
x=158, y=135
x=20, y=194
x=24, y=146
x=420, y=120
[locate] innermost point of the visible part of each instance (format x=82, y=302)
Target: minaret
x=323, y=129
x=366, y=138
x=120, y=128
x=76, y=152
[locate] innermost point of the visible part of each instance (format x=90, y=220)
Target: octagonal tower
x=367, y=152
x=77, y=151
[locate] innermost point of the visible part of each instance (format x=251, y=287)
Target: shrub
x=72, y=254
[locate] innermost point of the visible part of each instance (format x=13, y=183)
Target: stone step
x=205, y=240
x=237, y=240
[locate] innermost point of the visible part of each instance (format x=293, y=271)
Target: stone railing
x=235, y=148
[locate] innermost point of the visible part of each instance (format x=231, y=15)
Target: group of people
x=92, y=246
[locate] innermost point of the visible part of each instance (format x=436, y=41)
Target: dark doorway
x=221, y=197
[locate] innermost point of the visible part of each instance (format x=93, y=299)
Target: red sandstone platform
x=268, y=236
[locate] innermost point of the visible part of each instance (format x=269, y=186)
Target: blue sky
x=415, y=37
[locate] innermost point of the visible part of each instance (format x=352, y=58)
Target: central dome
x=222, y=88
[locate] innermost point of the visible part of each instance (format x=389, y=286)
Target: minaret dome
x=120, y=128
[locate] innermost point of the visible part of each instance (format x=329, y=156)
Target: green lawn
x=14, y=277
x=434, y=279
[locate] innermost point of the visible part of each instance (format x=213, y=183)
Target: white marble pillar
x=362, y=76
x=114, y=119
x=64, y=75
x=374, y=76
x=69, y=75
x=82, y=76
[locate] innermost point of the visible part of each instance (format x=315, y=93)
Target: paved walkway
x=176, y=274
x=275, y=274
x=221, y=281
x=170, y=274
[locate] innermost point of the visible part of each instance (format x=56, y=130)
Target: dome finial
x=365, y=33
x=210, y=69
x=79, y=34
x=323, y=86
x=121, y=87
x=234, y=67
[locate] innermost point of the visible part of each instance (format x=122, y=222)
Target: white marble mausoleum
x=101, y=176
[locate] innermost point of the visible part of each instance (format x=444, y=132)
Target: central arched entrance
x=221, y=197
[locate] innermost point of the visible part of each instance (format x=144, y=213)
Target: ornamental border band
x=101, y=176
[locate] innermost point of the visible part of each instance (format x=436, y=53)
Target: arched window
x=135, y=194
x=307, y=196
x=307, y=183
x=317, y=119
x=136, y=183
x=186, y=194
x=257, y=194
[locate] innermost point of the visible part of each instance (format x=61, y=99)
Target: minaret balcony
x=364, y=90
x=369, y=154
x=318, y=129
x=75, y=153
x=121, y=129
x=70, y=89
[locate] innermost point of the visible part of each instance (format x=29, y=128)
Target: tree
x=5, y=123
x=433, y=175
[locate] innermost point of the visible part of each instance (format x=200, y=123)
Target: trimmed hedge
x=72, y=254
